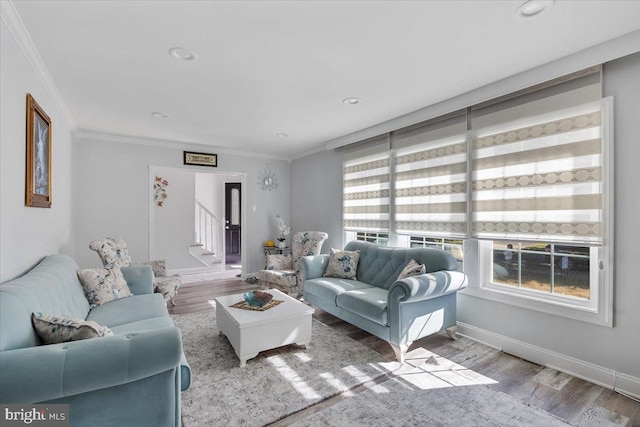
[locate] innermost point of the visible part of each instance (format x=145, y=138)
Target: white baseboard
x=195, y=270
x=587, y=371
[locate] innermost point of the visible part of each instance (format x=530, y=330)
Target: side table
x=274, y=250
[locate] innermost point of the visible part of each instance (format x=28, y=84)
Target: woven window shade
x=366, y=194
x=540, y=178
x=430, y=178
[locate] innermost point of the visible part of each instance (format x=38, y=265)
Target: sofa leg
x=400, y=351
x=452, y=332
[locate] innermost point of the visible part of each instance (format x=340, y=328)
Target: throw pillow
x=342, y=264
x=102, y=285
x=412, y=269
x=279, y=262
x=53, y=329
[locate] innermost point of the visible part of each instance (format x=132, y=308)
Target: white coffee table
x=251, y=332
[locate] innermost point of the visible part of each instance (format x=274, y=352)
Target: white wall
x=28, y=234
x=113, y=195
x=174, y=221
x=210, y=190
x=316, y=189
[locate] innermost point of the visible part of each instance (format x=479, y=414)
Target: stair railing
x=209, y=231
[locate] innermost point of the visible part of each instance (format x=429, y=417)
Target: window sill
x=540, y=304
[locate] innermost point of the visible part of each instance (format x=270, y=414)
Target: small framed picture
x=200, y=159
x=38, y=181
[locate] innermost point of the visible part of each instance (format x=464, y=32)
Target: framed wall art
x=38, y=168
x=200, y=159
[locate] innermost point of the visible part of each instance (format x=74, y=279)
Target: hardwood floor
x=576, y=401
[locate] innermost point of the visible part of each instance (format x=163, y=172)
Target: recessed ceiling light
x=532, y=8
x=351, y=101
x=182, y=53
x=160, y=115
x=282, y=135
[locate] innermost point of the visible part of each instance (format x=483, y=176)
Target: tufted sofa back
x=52, y=287
x=380, y=265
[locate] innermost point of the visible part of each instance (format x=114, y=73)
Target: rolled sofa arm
x=46, y=372
x=426, y=286
x=314, y=266
x=139, y=278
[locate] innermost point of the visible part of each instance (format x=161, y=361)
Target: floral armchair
x=283, y=272
x=114, y=252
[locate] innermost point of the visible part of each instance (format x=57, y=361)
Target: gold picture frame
x=200, y=159
x=38, y=170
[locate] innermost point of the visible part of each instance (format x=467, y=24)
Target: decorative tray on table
x=257, y=301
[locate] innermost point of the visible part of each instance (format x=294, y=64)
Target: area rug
x=399, y=402
x=276, y=383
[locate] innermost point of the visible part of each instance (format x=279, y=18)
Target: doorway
x=173, y=233
x=233, y=229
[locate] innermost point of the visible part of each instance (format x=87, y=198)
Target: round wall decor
x=267, y=179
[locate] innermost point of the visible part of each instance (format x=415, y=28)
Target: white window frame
x=599, y=309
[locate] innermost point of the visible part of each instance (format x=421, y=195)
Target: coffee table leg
x=243, y=360
x=304, y=344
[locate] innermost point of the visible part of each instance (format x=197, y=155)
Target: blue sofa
x=133, y=378
x=397, y=311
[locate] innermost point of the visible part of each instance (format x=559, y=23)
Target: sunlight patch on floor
x=425, y=370
x=335, y=382
x=304, y=357
x=293, y=378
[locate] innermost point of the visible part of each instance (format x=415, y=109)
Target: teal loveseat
x=397, y=311
x=133, y=378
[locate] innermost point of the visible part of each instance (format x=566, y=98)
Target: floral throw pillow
x=412, y=269
x=102, y=285
x=279, y=262
x=53, y=329
x=342, y=264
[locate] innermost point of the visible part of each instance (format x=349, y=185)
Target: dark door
x=233, y=210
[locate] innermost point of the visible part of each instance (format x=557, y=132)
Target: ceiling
x=269, y=67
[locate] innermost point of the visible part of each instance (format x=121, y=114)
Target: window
x=546, y=268
x=366, y=194
x=377, y=238
x=430, y=178
x=522, y=183
x=544, y=205
x=453, y=246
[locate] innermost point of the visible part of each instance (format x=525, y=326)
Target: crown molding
x=318, y=149
x=167, y=143
x=20, y=34
x=610, y=50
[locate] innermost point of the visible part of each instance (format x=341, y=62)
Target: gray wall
x=318, y=201
x=28, y=234
x=113, y=196
x=316, y=188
